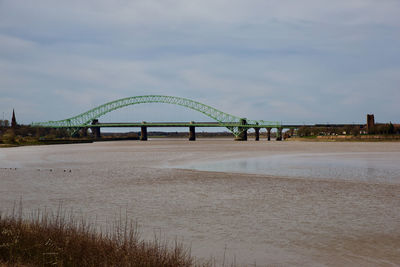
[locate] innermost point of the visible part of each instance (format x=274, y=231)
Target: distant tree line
x=4, y=123
x=25, y=133
x=313, y=131
x=387, y=128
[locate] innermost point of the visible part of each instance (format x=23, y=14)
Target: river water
x=352, y=166
x=283, y=203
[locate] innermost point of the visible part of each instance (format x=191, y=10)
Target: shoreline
x=347, y=138
x=366, y=139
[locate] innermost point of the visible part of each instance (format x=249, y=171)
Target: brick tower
x=370, y=123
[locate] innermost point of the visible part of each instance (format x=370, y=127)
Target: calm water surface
x=365, y=166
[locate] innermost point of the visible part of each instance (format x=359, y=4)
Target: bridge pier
x=257, y=134
x=96, y=130
x=242, y=131
x=143, y=133
x=84, y=132
x=268, y=134
x=192, y=133
x=279, y=134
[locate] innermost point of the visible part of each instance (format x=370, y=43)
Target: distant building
x=370, y=122
x=13, y=120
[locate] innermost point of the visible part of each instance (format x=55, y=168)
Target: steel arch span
x=85, y=119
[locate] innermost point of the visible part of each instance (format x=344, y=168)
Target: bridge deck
x=176, y=124
x=215, y=124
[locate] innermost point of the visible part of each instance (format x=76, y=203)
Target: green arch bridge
x=89, y=119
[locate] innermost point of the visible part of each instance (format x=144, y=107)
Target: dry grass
x=58, y=239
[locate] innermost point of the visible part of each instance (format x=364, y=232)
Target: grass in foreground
x=59, y=240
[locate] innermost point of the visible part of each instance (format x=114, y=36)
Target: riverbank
x=63, y=141
x=39, y=142
x=347, y=138
x=58, y=239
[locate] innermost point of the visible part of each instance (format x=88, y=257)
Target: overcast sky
x=291, y=61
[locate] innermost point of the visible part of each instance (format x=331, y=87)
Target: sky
x=309, y=61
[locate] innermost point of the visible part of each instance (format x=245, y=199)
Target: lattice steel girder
x=85, y=119
x=182, y=124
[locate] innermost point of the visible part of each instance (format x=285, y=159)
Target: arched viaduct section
x=238, y=126
x=87, y=117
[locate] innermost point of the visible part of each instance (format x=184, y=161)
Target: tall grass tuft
x=58, y=239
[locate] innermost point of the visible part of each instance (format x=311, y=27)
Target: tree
x=304, y=131
x=8, y=137
x=391, y=128
x=355, y=130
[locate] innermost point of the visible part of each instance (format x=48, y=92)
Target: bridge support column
x=279, y=134
x=242, y=131
x=268, y=134
x=96, y=130
x=257, y=134
x=84, y=131
x=192, y=133
x=143, y=133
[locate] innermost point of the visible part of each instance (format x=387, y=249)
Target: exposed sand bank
x=253, y=218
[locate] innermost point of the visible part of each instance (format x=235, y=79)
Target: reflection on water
x=369, y=167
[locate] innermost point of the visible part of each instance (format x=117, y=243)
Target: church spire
x=13, y=120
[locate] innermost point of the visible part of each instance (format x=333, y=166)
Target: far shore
x=346, y=138
x=207, y=136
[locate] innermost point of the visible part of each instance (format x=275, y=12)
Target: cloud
x=286, y=61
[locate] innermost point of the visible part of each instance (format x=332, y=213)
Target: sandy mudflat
x=251, y=218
